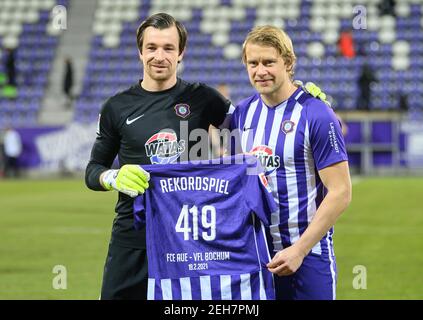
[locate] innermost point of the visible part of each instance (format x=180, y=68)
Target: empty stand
x=391, y=45
x=24, y=26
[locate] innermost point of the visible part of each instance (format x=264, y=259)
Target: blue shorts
x=314, y=280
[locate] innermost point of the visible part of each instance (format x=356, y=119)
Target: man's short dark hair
x=162, y=21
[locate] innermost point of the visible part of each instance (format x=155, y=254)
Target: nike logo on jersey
x=245, y=128
x=128, y=122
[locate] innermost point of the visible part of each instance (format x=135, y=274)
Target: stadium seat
x=217, y=28
x=23, y=25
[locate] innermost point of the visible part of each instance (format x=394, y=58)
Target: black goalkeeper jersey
x=144, y=127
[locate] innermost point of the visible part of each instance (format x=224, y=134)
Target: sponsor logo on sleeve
x=333, y=140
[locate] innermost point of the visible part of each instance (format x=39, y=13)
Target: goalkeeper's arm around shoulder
x=130, y=179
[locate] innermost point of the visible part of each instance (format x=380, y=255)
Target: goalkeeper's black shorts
x=125, y=274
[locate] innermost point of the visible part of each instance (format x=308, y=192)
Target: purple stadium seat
x=110, y=69
x=34, y=55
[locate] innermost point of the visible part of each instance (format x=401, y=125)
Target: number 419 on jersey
x=207, y=220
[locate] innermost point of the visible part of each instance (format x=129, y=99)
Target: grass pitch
x=44, y=224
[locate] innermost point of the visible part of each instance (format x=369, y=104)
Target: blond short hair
x=273, y=37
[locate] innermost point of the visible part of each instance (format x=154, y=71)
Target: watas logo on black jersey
x=163, y=147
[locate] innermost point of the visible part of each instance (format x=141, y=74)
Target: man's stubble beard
x=161, y=76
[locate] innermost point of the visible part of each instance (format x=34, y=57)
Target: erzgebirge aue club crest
x=182, y=110
x=287, y=126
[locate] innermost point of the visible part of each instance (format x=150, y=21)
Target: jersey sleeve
x=327, y=142
x=236, y=124
x=234, y=143
x=234, y=120
x=219, y=107
x=105, y=148
x=139, y=212
x=259, y=196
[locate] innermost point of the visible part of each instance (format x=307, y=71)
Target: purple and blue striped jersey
x=205, y=230
x=292, y=141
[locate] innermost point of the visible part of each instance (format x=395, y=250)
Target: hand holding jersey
x=130, y=179
x=316, y=92
x=286, y=261
x=313, y=89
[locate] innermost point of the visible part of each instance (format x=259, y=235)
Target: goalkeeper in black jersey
x=143, y=125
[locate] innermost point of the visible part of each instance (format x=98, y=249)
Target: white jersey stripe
x=245, y=287
x=272, y=179
x=246, y=134
x=299, y=95
x=259, y=131
x=253, y=216
x=186, y=288
x=291, y=176
x=205, y=285
x=150, y=290
x=166, y=285
x=332, y=266
x=311, y=183
x=263, y=229
x=225, y=287
x=263, y=295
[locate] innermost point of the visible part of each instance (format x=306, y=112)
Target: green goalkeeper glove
x=131, y=179
x=314, y=90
